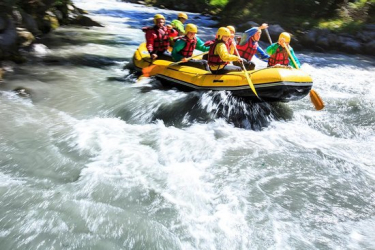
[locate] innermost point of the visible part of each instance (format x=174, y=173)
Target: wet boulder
x=247, y=25
x=309, y=38
x=366, y=36
x=369, y=48
x=351, y=45
x=48, y=23
x=8, y=40
x=8, y=37
x=275, y=30
x=323, y=42
x=369, y=27
x=23, y=92
x=30, y=24
x=85, y=21
x=25, y=38
x=3, y=23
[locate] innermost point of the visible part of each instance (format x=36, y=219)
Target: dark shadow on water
x=208, y=106
x=130, y=78
x=205, y=107
x=66, y=37
x=95, y=61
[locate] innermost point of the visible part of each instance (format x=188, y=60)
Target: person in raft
x=178, y=23
x=248, y=46
x=278, y=53
x=233, y=51
x=218, y=55
x=185, y=46
x=157, y=38
x=231, y=41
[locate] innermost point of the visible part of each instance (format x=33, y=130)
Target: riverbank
x=23, y=24
x=359, y=39
x=324, y=40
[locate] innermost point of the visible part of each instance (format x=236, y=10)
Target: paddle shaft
x=268, y=35
x=189, y=58
x=290, y=55
x=155, y=67
x=245, y=72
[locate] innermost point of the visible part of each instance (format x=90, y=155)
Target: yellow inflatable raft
x=274, y=84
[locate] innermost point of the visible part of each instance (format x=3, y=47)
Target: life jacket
x=215, y=59
x=209, y=43
x=177, y=25
x=230, y=44
x=161, y=42
x=230, y=41
x=248, y=50
x=188, y=50
x=279, y=57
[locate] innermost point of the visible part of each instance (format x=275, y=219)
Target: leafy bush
x=220, y=3
x=291, y=13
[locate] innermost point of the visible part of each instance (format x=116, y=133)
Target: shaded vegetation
x=35, y=7
x=304, y=14
x=24, y=21
x=38, y=9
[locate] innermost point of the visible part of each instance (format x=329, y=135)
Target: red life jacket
x=209, y=43
x=188, y=50
x=247, y=50
x=161, y=42
x=215, y=59
x=279, y=57
x=230, y=41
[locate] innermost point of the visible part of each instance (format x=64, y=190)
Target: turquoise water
x=92, y=159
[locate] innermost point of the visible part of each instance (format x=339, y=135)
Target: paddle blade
x=316, y=100
x=148, y=70
x=152, y=70
x=246, y=74
x=251, y=84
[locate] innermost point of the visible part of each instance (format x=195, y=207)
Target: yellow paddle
x=160, y=65
x=315, y=98
x=189, y=58
x=246, y=74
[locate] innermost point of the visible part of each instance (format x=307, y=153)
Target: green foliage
x=288, y=13
x=357, y=10
x=342, y=14
x=220, y=3
x=61, y=2
x=340, y=25
x=7, y=5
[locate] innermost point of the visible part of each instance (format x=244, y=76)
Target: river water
x=92, y=159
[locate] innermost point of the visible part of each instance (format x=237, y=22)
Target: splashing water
x=91, y=158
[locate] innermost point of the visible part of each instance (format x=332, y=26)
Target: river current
x=91, y=158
